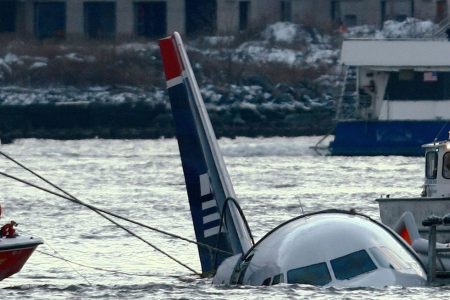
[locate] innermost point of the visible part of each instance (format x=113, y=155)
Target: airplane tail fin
x=406, y=227
x=218, y=220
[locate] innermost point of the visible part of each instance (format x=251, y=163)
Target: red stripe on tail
x=171, y=58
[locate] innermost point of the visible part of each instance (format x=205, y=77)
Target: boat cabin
x=437, y=170
x=395, y=80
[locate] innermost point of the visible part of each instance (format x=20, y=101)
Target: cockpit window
x=352, y=265
x=277, y=279
x=431, y=162
x=266, y=281
x=317, y=274
x=446, y=166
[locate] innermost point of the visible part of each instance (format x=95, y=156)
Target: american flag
x=430, y=76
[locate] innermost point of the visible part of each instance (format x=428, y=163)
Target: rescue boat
x=412, y=218
x=14, y=253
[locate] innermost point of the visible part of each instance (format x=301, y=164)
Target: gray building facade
x=117, y=19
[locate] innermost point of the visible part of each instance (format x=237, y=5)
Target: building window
x=8, y=11
x=150, y=18
x=401, y=17
x=286, y=10
x=350, y=20
x=383, y=12
x=100, y=19
x=335, y=12
x=441, y=10
x=49, y=20
x=244, y=11
x=201, y=17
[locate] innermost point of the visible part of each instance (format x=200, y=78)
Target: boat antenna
x=439, y=133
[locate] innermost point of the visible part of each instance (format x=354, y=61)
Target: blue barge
x=395, y=97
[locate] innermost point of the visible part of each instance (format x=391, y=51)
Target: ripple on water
x=275, y=178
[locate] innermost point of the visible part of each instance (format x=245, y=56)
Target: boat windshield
x=446, y=166
x=431, y=161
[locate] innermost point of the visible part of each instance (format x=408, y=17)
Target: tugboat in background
x=14, y=249
x=434, y=199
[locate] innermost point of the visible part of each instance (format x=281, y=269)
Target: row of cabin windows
x=412, y=85
x=344, y=268
x=99, y=18
x=431, y=165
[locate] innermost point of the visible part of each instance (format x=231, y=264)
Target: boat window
x=446, y=166
x=278, y=278
x=410, y=85
x=352, y=265
x=316, y=274
x=431, y=161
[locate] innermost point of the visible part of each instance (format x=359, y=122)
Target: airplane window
x=266, y=281
x=277, y=279
x=317, y=274
x=352, y=265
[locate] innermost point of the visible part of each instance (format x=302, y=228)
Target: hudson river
x=275, y=179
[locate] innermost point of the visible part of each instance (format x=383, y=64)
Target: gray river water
x=274, y=178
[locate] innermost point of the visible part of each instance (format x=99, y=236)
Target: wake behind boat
x=326, y=248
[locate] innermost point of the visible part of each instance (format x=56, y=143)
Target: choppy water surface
x=274, y=178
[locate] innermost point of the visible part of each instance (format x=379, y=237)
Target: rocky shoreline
x=144, y=121
x=281, y=81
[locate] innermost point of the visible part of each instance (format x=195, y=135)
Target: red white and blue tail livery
x=207, y=180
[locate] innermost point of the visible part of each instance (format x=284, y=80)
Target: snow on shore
x=291, y=44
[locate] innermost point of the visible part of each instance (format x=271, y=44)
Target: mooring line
x=67, y=261
x=60, y=257
x=76, y=200
x=98, y=211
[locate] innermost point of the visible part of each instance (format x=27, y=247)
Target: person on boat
x=8, y=230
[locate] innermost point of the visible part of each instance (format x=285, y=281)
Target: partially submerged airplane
x=326, y=248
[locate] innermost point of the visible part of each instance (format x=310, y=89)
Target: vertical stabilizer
x=207, y=181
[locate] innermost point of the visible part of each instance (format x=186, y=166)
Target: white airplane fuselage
x=326, y=249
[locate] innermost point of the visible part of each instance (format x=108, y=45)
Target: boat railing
x=347, y=106
x=435, y=253
x=442, y=27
